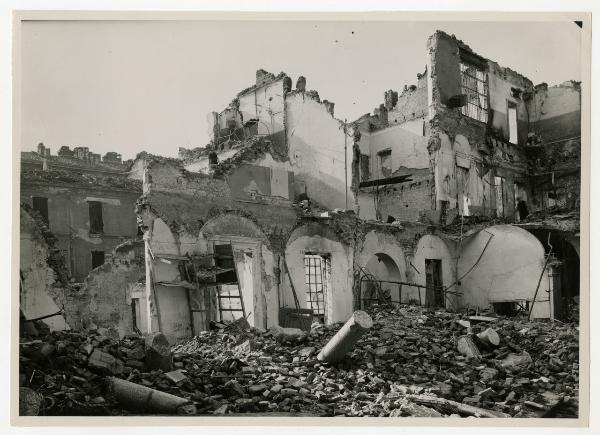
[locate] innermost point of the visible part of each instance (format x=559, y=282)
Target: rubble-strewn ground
x=409, y=352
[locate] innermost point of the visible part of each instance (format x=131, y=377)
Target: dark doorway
x=97, y=259
x=40, y=204
x=434, y=296
x=565, y=274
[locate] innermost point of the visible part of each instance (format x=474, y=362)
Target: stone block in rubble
x=515, y=362
x=257, y=389
x=283, y=335
x=234, y=386
x=158, y=352
x=307, y=351
x=176, y=377
x=276, y=388
x=105, y=363
x=221, y=410
x=136, y=353
x=488, y=374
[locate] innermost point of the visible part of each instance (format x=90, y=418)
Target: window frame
x=318, y=266
x=474, y=111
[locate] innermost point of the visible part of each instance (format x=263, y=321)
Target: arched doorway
x=381, y=278
x=238, y=248
x=564, y=274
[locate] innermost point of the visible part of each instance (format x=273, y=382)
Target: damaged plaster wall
x=460, y=178
x=508, y=270
x=557, y=155
x=316, y=142
x=383, y=257
x=39, y=285
x=185, y=213
x=408, y=150
x=105, y=299
x=464, y=177
x=556, y=111
x=249, y=240
x=69, y=219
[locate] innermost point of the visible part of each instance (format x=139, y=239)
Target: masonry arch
x=503, y=264
x=434, y=265
x=381, y=259
x=565, y=274
x=319, y=272
x=231, y=235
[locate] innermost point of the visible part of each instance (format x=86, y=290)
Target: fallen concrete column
x=347, y=336
x=489, y=337
x=140, y=398
x=466, y=345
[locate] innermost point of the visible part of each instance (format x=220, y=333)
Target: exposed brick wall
x=405, y=201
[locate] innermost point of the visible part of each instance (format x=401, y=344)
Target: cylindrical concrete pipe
x=342, y=342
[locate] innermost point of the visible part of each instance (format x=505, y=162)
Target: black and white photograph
x=292, y=216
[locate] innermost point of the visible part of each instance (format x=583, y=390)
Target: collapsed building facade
x=290, y=214
x=76, y=209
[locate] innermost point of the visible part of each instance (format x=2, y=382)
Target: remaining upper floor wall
x=480, y=89
x=556, y=111
x=257, y=110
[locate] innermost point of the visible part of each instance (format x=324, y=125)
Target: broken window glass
x=474, y=85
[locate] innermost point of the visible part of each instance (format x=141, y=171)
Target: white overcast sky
x=129, y=86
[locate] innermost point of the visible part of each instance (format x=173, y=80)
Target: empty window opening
x=499, y=186
x=40, y=204
x=96, y=222
x=474, y=85
x=317, y=269
x=97, y=259
x=385, y=163
x=512, y=123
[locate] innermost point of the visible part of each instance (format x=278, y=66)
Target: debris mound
x=406, y=364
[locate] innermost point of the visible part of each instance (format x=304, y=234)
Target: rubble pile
x=406, y=364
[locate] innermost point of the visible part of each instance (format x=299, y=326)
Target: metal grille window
x=317, y=272
x=475, y=86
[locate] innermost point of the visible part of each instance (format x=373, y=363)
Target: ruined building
x=309, y=217
x=87, y=202
x=76, y=208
